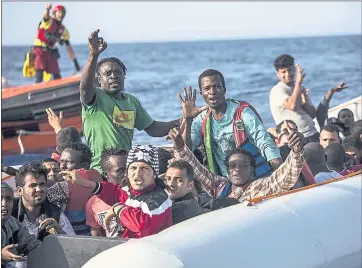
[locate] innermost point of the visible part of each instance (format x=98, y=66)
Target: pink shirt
x=96, y=210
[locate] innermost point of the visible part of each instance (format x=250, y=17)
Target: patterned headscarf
x=144, y=153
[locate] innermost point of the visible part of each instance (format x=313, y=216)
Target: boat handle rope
x=259, y=199
x=23, y=132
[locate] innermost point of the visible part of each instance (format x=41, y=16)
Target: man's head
x=111, y=73
x=75, y=155
x=114, y=165
x=283, y=132
x=53, y=170
x=31, y=183
x=163, y=156
x=357, y=129
x=59, y=13
x=142, y=166
x=335, y=157
x=65, y=136
x=179, y=179
x=328, y=135
x=212, y=88
x=315, y=157
x=346, y=116
x=353, y=148
x=7, y=201
x=285, y=69
x=240, y=165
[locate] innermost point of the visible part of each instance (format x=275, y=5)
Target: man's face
x=53, y=170
x=347, y=118
x=59, y=15
x=177, y=182
x=327, y=138
x=7, y=203
x=286, y=75
x=117, y=169
x=34, y=190
x=71, y=159
x=354, y=154
x=111, y=77
x=140, y=175
x=212, y=91
x=239, y=169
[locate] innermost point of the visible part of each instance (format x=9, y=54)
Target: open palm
x=188, y=104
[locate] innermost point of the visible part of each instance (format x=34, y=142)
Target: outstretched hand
x=188, y=104
x=300, y=74
x=96, y=44
x=55, y=121
x=177, y=139
x=340, y=87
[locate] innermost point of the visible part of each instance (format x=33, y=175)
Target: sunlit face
x=286, y=75
x=117, y=169
x=239, y=169
x=72, y=159
x=34, y=190
x=53, y=170
x=111, y=77
x=140, y=175
x=213, y=91
x=178, y=185
x=327, y=138
x=59, y=15
x=7, y=202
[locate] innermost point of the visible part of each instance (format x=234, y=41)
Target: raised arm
x=293, y=102
x=210, y=182
x=46, y=12
x=96, y=46
x=307, y=105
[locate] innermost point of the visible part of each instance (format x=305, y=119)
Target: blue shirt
x=222, y=135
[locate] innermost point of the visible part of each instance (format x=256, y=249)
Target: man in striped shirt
x=240, y=165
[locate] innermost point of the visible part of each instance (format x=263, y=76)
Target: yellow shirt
x=45, y=25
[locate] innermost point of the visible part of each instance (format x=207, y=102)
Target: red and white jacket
x=145, y=212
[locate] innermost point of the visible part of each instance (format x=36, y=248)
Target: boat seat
x=64, y=251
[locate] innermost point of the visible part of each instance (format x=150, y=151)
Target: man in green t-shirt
x=109, y=114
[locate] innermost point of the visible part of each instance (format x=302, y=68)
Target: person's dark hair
x=279, y=126
x=107, y=153
x=344, y=110
x=352, y=141
x=357, y=128
x=330, y=128
x=183, y=165
x=163, y=157
x=111, y=59
x=67, y=135
x=35, y=168
x=212, y=72
x=49, y=160
x=283, y=61
x=240, y=151
x=86, y=153
x=335, y=156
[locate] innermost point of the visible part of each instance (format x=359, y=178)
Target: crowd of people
x=222, y=155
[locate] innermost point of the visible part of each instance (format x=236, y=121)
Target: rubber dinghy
x=316, y=227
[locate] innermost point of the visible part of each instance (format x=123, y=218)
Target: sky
x=176, y=21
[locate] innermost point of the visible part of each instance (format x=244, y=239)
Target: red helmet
x=58, y=8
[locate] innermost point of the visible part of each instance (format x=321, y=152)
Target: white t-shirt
x=304, y=121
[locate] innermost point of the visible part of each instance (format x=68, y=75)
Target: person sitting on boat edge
x=75, y=156
x=225, y=124
x=114, y=166
x=50, y=32
x=144, y=208
x=240, y=183
x=315, y=156
x=179, y=179
x=33, y=208
x=16, y=241
x=290, y=100
x=109, y=114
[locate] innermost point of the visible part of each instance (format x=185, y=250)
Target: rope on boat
x=23, y=132
x=259, y=199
